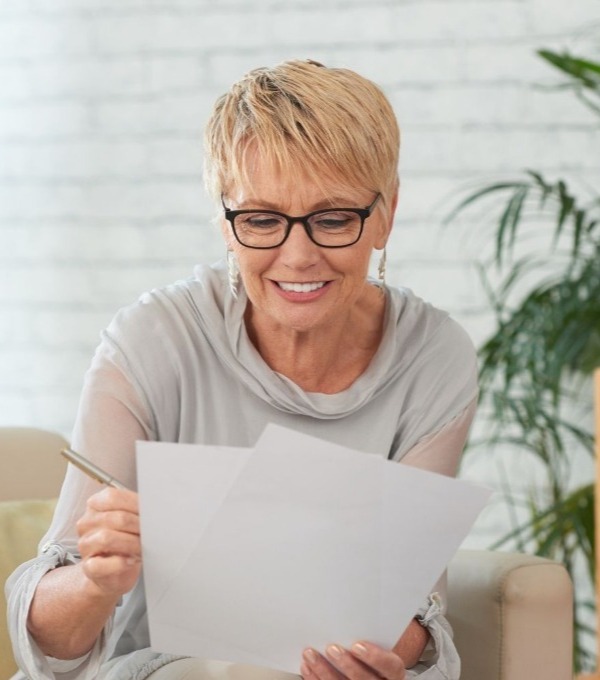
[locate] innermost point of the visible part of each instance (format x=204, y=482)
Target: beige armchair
x=30, y=464
x=31, y=474
x=512, y=614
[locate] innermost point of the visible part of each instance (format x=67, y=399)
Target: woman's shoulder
x=168, y=330
x=165, y=308
x=420, y=327
x=436, y=371
x=434, y=353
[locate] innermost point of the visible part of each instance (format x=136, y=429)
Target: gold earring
x=233, y=272
x=381, y=267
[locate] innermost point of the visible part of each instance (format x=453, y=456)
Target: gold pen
x=90, y=469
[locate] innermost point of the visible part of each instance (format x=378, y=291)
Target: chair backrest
x=30, y=463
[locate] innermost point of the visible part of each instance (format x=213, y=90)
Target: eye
x=259, y=221
x=331, y=221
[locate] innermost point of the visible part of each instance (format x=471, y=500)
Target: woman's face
x=333, y=279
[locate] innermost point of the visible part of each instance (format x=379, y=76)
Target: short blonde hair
x=302, y=116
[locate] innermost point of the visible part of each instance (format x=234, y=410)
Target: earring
x=233, y=272
x=381, y=267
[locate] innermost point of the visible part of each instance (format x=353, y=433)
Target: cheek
x=358, y=265
x=252, y=263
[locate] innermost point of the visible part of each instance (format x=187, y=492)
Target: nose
x=298, y=250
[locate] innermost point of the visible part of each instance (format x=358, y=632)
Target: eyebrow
x=334, y=202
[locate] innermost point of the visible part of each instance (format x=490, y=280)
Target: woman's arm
x=73, y=603
x=439, y=452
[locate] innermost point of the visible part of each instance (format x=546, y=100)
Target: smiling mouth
x=300, y=287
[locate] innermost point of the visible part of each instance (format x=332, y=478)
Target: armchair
x=30, y=466
x=512, y=614
x=31, y=473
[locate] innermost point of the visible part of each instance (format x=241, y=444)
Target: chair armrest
x=22, y=525
x=512, y=616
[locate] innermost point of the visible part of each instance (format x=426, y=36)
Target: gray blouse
x=178, y=366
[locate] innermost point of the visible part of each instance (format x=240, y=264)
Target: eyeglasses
x=330, y=228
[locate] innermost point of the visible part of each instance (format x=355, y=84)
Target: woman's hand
x=363, y=661
x=109, y=541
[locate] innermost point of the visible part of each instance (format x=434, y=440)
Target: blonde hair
x=304, y=117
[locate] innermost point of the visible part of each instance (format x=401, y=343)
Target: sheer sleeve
x=109, y=421
x=440, y=452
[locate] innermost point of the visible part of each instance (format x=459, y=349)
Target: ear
x=387, y=222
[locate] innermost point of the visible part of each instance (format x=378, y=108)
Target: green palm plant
x=545, y=345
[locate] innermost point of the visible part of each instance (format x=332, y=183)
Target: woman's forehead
x=289, y=196
x=265, y=183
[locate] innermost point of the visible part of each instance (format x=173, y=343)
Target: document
x=251, y=555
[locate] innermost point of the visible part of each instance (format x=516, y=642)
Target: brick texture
x=102, y=105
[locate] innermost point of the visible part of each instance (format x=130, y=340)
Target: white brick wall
x=102, y=104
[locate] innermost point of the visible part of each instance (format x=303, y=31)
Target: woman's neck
x=326, y=359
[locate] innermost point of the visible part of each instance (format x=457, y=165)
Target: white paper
x=253, y=555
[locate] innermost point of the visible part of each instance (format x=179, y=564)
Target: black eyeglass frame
x=363, y=213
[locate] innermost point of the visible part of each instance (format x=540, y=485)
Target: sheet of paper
x=252, y=555
x=178, y=502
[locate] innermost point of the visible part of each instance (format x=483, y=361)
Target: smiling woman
x=313, y=298
x=302, y=163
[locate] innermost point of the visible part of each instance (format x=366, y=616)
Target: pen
x=90, y=469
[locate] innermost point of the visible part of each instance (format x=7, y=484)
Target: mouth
x=292, y=287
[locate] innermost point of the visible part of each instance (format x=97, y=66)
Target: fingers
x=364, y=661
x=382, y=662
x=111, y=509
x=109, y=540
x=114, y=499
x=103, y=540
x=316, y=667
x=108, y=521
x=115, y=574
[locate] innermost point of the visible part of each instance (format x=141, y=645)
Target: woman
x=302, y=163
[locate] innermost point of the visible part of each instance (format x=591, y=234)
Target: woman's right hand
x=109, y=541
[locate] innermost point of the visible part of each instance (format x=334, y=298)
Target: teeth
x=301, y=287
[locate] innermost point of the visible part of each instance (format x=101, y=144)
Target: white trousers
x=201, y=669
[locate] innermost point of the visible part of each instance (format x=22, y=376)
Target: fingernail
x=359, y=649
x=334, y=650
x=310, y=655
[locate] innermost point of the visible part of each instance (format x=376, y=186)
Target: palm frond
x=545, y=342
x=580, y=71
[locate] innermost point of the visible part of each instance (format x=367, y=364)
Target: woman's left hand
x=363, y=661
